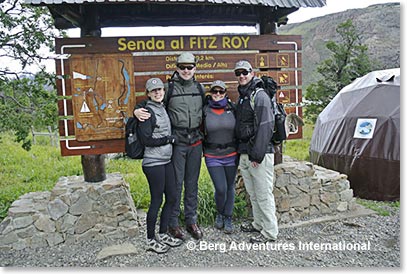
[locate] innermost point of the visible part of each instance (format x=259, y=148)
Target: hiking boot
x=219, y=221
x=228, y=226
x=261, y=239
x=176, y=232
x=195, y=231
x=168, y=240
x=156, y=246
x=248, y=227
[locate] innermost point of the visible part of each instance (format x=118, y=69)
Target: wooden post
x=93, y=166
x=278, y=154
x=268, y=26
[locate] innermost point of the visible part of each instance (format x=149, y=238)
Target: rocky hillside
x=379, y=26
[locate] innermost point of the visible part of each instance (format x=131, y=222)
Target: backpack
x=268, y=84
x=133, y=147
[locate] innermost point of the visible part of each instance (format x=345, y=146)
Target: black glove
x=172, y=139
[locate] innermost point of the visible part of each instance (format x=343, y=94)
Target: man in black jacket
x=254, y=129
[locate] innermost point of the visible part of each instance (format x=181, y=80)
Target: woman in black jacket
x=155, y=134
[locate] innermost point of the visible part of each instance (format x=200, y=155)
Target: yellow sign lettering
x=122, y=44
x=132, y=45
x=177, y=43
x=235, y=42
x=204, y=42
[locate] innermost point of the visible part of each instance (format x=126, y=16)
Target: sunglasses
x=240, y=72
x=220, y=91
x=182, y=67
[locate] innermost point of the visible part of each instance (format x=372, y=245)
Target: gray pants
x=259, y=184
x=187, y=165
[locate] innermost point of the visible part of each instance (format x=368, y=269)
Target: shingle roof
x=278, y=3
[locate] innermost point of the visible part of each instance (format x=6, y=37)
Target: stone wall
x=305, y=191
x=73, y=211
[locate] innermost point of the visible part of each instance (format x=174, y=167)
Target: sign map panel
x=101, y=79
x=102, y=96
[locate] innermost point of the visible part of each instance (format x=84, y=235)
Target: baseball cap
x=218, y=83
x=186, y=58
x=154, y=83
x=243, y=64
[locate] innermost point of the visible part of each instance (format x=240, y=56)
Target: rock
x=45, y=224
x=114, y=250
x=57, y=208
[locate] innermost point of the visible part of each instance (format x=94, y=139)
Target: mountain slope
x=379, y=26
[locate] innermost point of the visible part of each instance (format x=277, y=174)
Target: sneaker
x=248, y=227
x=261, y=239
x=228, y=226
x=168, y=240
x=156, y=246
x=219, y=221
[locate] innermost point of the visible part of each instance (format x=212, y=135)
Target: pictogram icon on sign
x=262, y=60
x=77, y=75
x=283, y=60
x=283, y=96
x=85, y=107
x=283, y=78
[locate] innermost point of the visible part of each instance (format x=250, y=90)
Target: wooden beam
x=91, y=26
x=66, y=16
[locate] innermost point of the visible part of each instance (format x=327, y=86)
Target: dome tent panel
x=372, y=164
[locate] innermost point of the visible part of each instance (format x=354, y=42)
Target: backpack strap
x=171, y=91
x=253, y=96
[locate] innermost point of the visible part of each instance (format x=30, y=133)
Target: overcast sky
x=303, y=14
x=332, y=6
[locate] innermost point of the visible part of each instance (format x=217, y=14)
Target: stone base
x=72, y=212
x=303, y=190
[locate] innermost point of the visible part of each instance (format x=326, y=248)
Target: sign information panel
x=101, y=79
x=102, y=94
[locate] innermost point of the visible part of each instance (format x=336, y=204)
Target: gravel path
x=369, y=241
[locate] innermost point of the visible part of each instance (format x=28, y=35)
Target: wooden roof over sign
x=91, y=15
x=278, y=3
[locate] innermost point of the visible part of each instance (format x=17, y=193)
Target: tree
x=349, y=60
x=27, y=92
x=26, y=102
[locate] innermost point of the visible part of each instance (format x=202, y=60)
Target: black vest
x=244, y=119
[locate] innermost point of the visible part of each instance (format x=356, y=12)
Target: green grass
x=299, y=148
x=40, y=168
x=382, y=208
x=36, y=170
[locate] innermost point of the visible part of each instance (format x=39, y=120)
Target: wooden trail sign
x=101, y=79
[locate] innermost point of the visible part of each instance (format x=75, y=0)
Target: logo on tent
x=365, y=128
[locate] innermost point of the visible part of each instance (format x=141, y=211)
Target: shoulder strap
x=169, y=91
x=253, y=96
x=230, y=105
x=153, y=118
x=201, y=91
